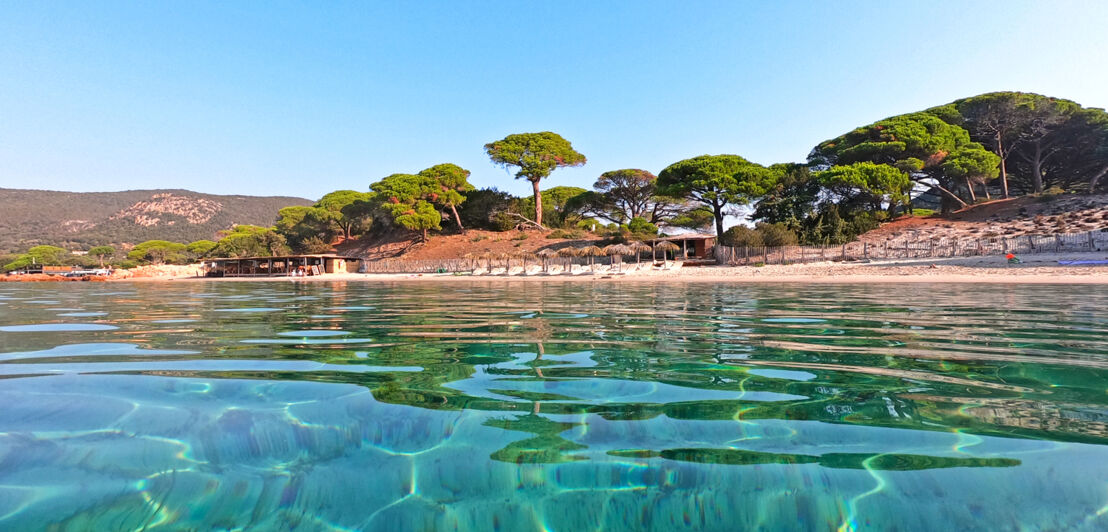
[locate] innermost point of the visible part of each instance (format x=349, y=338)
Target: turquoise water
x=552, y=406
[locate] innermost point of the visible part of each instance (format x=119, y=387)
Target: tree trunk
x=969, y=187
x=538, y=202
x=1096, y=178
x=457, y=220
x=425, y=235
x=719, y=222
x=1037, y=168
x=1003, y=169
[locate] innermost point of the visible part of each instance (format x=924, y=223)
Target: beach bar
x=287, y=265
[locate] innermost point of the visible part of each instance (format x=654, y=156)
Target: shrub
x=521, y=236
x=503, y=221
x=742, y=236
x=774, y=235
x=564, y=234
x=640, y=226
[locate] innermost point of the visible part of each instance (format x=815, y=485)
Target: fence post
x=765, y=255
x=844, y=250
x=865, y=250
x=1091, y=246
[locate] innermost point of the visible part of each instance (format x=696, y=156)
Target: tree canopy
x=403, y=197
x=340, y=205
x=159, y=252
x=718, y=182
x=536, y=156
x=447, y=186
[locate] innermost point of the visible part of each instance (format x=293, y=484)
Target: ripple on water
x=249, y=309
x=82, y=314
x=309, y=333
x=58, y=327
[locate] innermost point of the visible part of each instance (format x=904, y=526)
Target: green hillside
x=79, y=220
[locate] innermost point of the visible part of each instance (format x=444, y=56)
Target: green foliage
x=698, y=219
x=742, y=236
x=716, y=181
x=128, y=264
x=521, y=236
x=868, y=184
x=447, y=187
x=404, y=197
x=301, y=224
x=40, y=255
x=100, y=252
x=775, y=235
x=555, y=202
x=640, y=226
x=198, y=249
x=481, y=207
x=535, y=155
x=159, y=252
x=347, y=211
x=250, y=241
x=763, y=234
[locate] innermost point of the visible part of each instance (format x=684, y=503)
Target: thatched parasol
x=546, y=254
x=591, y=252
x=666, y=247
x=522, y=255
x=618, y=250
x=637, y=248
x=567, y=252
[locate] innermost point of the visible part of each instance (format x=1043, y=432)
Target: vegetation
x=81, y=220
x=536, y=155
x=1003, y=143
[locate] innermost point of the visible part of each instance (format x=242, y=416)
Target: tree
x=792, y=198
x=158, y=252
x=200, y=248
x=45, y=255
x=482, y=206
x=557, y=203
x=917, y=143
x=973, y=166
x=622, y=195
x=298, y=224
x=251, y=241
x=402, y=195
x=338, y=204
x=536, y=155
x=100, y=252
x=997, y=120
x=451, y=182
x=715, y=181
x=876, y=186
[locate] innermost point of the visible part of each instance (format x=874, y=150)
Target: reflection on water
x=552, y=406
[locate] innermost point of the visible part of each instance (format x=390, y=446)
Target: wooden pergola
x=287, y=265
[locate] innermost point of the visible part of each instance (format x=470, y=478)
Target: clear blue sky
x=308, y=97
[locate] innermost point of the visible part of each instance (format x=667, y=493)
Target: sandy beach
x=1037, y=269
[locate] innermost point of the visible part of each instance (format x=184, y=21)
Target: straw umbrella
x=617, y=250
x=665, y=247
x=546, y=255
x=637, y=248
x=592, y=252
x=569, y=252
x=522, y=255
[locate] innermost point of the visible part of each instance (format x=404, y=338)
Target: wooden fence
x=917, y=248
x=468, y=265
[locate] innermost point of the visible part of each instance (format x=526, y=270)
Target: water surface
x=552, y=406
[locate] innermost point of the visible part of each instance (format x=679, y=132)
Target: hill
x=1026, y=215
x=78, y=220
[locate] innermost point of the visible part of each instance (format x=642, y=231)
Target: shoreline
x=1035, y=269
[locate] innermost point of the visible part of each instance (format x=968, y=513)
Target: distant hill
x=78, y=220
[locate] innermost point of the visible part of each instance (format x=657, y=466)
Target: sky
x=302, y=98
